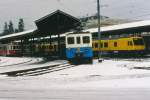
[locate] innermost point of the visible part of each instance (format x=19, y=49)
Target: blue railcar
x=79, y=47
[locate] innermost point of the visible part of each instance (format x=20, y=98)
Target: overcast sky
x=32, y=10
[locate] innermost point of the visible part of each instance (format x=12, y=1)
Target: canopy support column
x=22, y=47
x=50, y=41
x=59, y=46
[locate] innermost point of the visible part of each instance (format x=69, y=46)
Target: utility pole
x=99, y=31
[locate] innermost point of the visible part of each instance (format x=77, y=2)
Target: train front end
x=79, y=47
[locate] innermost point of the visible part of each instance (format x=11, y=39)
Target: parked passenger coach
x=79, y=47
x=10, y=49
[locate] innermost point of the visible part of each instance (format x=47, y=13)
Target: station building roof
x=57, y=22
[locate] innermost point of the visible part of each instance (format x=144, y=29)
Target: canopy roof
x=127, y=28
x=25, y=34
x=57, y=22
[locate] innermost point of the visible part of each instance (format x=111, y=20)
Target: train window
x=1, y=48
x=70, y=40
x=101, y=44
x=105, y=44
x=130, y=43
x=13, y=47
x=78, y=40
x=138, y=41
x=50, y=47
x=18, y=47
x=96, y=45
x=55, y=47
x=115, y=44
x=43, y=47
x=92, y=45
x=5, y=48
x=86, y=39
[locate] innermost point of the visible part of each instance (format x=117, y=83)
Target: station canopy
x=56, y=23
x=60, y=22
x=127, y=28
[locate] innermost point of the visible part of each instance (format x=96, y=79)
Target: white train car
x=10, y=49
x=79, y=47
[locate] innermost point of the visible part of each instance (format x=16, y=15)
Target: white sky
x=31, y=10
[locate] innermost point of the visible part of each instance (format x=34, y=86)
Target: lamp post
x=99, y=32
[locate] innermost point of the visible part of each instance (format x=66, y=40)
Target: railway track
x=48, y=70
x=27, y=62
x=17, y=63
x=38, y=71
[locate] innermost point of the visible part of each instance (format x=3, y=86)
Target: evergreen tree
x=21, y=25
x=11, y=28
x=6, y=30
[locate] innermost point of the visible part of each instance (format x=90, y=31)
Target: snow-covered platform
x=20, y=64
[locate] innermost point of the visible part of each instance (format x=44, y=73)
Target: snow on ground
x=108, y=74
x=14, y=64
x=9, y=61
x=106, y=68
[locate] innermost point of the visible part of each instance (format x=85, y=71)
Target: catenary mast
x=99, y=31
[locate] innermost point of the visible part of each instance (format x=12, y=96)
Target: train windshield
x=138, y=41
x=86, y=39
x=70, y=40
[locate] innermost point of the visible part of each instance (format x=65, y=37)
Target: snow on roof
x=122, y=26
x=103, y=29
x=17, y=34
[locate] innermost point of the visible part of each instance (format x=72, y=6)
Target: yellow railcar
x=46, y=48
x=124, y=45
